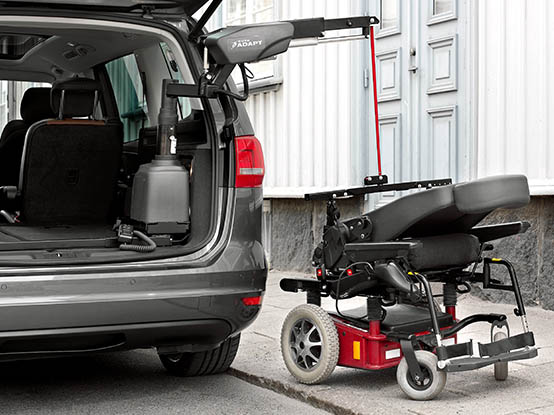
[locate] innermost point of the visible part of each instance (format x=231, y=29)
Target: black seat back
x=449, y=209
x=35, y=106
x=70, y=164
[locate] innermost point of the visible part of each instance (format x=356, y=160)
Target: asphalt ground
x=130, y=383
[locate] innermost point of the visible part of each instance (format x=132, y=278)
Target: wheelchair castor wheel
x=309, y=344
x=500, y=368
x=427, y=388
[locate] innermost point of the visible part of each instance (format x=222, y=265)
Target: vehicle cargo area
x=96, y=163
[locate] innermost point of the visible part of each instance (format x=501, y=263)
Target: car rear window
x=11, y=93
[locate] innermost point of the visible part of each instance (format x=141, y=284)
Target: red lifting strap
x=375, y=104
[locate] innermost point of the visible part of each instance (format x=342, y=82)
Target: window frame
x=442, y=17
x=393, y=30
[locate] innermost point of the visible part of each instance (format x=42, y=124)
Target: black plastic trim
x=203, y=334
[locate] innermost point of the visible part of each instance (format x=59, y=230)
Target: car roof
x=188, y=7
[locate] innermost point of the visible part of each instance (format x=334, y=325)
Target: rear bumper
x=146, y=302
x=184, y=321
x=197, y=335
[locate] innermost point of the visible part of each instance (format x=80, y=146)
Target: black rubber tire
x=437, y=378
x=329, y=354
x=208, y=362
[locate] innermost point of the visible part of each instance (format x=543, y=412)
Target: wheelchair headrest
x=35, y=105
x=76, y=97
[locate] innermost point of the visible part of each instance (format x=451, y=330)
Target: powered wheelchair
x=391, y=256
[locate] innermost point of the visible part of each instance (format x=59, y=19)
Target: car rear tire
x=208, y=362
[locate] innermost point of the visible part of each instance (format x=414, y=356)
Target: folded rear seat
x=70, y=165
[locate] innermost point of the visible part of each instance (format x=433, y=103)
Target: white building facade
x=463, y=90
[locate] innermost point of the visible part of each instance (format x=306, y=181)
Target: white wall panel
x=310, y=127
x=516, y=90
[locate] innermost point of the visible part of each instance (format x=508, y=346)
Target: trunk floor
x=18, y=233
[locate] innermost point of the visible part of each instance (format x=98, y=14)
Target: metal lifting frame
x=378, y=187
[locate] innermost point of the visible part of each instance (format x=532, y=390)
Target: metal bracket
x=499, y=324
x=514, y=287
x=147, y=10
x=376, y=188
x=414, y=368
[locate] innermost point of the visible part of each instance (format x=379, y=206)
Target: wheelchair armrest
x=368, y=252
x=294, y=285
x=492, y=232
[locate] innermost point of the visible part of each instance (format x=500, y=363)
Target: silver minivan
x=128, y=218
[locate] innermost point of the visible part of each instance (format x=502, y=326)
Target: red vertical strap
x=375, y=104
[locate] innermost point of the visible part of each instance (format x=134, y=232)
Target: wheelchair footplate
x=473, y=355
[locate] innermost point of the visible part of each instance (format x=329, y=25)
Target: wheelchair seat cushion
x=443, y=252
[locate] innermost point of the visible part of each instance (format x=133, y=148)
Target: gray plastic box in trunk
x=160, y=198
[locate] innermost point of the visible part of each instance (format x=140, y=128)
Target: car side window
x=128, y=88
x=11, y=93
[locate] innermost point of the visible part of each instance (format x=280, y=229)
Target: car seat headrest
x=76, y=97
x=35, y=105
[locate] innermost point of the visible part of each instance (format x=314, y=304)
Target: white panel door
x=422, y=76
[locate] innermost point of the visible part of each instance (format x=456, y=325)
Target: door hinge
x=147, y=10
x=366, y=78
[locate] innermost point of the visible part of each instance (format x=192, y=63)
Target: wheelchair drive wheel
x=423, y=389
x=500, y=368
x=309, y=344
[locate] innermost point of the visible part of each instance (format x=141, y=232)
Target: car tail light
x=248, y=301
x=249, y=160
